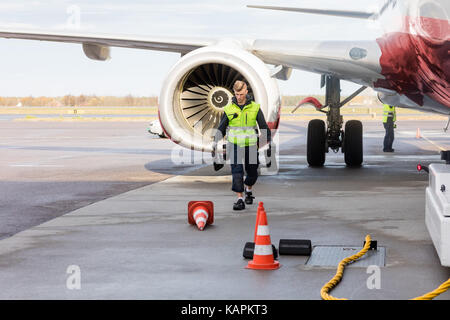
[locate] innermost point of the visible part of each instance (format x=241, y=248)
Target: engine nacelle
x=199, y=86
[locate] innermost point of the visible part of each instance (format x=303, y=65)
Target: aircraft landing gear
x=353, y=143
x=321, y=138
x=316, y=143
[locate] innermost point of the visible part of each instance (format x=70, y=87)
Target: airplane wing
x=337, y=13
x=180, y=45
x=356, y=61
x=349, y=60
x=322, y=58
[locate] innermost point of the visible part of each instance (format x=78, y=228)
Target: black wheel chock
x=373, y=245
x=250, y=247
x=295, y=247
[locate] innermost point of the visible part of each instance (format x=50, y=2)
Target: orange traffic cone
x=418, y=136
x=201, y=213
x=263, y=253
x=258, y=212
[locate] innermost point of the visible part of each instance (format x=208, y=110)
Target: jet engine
x=199, y=86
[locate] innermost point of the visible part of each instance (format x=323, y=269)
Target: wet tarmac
x=124, y=223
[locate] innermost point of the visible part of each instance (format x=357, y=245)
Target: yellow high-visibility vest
x=242, y=129
x=389, y=112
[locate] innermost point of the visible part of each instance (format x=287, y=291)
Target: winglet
x=339, y=13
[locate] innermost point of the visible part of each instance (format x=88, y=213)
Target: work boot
x=239, y=205
x=249, y=197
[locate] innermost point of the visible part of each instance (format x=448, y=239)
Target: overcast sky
x=54, y=69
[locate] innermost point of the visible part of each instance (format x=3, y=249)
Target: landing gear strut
x=321, y=138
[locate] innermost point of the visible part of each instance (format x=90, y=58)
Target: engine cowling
x=199, y=86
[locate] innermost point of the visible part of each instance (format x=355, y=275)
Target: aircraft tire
x=315, y=148
x=353, y=143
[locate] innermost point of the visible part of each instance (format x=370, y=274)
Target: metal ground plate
x=330, y=256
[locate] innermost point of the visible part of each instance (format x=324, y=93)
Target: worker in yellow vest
x=239, y=122
x=389, y=118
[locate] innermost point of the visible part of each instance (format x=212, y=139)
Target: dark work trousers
x=389, y=136
x=243, y=158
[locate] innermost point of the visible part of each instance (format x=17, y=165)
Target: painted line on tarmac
x=433, y=143
x=408, y=133
x=43, y=164
x=431, y=157
x=32, y=165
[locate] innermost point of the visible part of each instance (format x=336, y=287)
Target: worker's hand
x=269, y=156
x=269, y=151
x=214, y=149
x=217, y=166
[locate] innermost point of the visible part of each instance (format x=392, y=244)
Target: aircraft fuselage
x=415, y=50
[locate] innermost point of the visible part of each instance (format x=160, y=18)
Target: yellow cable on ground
x=324, y=292
x=433, y=294
x=340, y=272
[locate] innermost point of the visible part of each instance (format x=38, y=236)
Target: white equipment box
x=437, y=210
